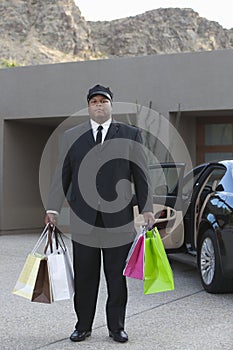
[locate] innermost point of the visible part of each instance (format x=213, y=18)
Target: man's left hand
x=149, y=218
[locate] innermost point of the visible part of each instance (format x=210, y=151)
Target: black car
x=194, y=215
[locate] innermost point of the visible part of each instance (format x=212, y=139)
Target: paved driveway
x=185, y=319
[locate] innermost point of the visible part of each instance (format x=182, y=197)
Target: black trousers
x=87, y=264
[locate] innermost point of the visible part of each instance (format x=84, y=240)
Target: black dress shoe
x=120, y=336
x=79, y=335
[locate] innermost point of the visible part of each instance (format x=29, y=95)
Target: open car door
x=166, y=180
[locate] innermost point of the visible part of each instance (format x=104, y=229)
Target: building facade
x=192, y=90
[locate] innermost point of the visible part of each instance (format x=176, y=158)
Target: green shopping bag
x=158, y=276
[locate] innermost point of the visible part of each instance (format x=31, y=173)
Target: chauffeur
x=100, y=130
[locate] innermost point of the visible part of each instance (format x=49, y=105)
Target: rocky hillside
x=49, y=31
x=160, y=31
x=43, y=31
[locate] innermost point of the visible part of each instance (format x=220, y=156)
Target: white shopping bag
x=60, y=271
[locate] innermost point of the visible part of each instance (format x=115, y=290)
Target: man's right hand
x=50, y=218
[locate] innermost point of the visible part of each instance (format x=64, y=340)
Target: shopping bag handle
x=49, y=242
x=54, y=240
x=40, y=240
x=152, y=229
x=58, y=236
x=147, y=227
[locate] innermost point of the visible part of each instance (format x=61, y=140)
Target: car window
x=215, y=177
x=191, y=179
x=187, y=188
x=165, y=181
x=227, y=180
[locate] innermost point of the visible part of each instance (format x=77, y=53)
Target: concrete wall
x=198, y=81
x=34, y=100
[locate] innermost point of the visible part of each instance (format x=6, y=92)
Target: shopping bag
x=60, y=269
x=42, y=290
x=158, y=276
x=27, y=279
x=134, y=267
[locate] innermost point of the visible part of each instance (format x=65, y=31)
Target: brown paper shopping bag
x=42, y=290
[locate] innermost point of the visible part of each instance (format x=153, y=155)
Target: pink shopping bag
x=135, y=262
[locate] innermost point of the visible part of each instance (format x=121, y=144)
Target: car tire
x=210, y=266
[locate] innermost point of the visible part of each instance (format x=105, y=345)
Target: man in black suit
x=100, y=160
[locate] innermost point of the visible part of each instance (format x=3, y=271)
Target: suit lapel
x=111, y=134
x=90, y=138
x=112, y=131
x=89, y=134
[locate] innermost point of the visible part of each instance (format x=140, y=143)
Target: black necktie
x=99, y=135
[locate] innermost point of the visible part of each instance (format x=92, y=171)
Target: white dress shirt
x=105, y=126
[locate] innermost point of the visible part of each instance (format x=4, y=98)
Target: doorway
x=23, y=144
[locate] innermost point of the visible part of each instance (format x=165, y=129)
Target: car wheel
x=209, y=265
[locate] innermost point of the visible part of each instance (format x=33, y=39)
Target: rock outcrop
x=43, y=31
x=159, y=31
x=49, y=31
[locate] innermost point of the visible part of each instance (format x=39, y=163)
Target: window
x=214, y=139
x=166, y=179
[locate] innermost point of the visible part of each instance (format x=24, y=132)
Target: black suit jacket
x=99, y=178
